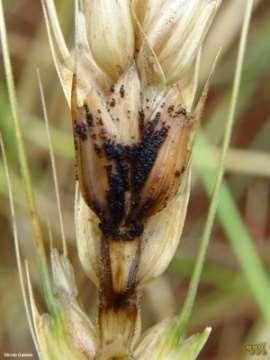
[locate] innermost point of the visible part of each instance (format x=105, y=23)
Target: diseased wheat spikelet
x=130, y=87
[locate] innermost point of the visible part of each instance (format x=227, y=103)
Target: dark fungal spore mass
x=127, y=168
x=122, y=91
x=141, y=118
x=80, y=130
x=113, y=102
x=145, y=152
x=89, y=116
x=128, y=171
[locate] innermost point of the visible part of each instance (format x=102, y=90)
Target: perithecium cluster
x=130, y=87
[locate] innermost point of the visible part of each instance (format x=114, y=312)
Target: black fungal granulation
x=181, y=111
x=122, y=91
x=99, y=121
x=127, y=168
x=114, y=151
x=111, y=224
x=128, y=171
x=89, y=116
x=145, y=153
x=80, y=129
x=170, y=109
x=113, y=102
x=141, y=118
x=116, y=192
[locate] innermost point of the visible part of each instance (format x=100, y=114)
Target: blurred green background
x=228, y=296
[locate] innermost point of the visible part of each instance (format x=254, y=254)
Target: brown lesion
x=125, y=170
x=117, y=309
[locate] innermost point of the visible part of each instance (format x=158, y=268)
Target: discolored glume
x=126, y=168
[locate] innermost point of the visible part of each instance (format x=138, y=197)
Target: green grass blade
x=38, y=236
x=16, y=245
x=192, y=291
x=242, y=245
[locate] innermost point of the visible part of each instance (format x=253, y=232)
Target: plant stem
x=38, y=236
x=194, y=284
